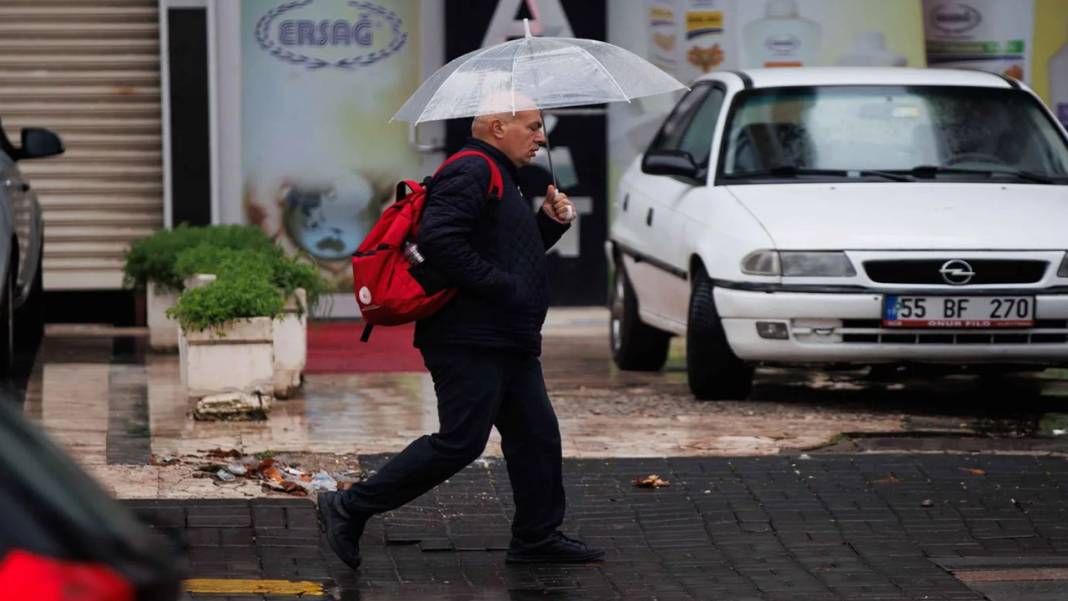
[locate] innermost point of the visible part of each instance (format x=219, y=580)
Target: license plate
x=958, y=311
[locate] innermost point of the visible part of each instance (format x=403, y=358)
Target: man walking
x=482, y=350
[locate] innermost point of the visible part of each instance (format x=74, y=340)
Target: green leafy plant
x=247, y=237
x=152, y=259
x=287, y=273
x=291, y=273
x=235, y=296
x=206, y=257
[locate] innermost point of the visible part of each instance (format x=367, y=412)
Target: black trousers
x=478, y=389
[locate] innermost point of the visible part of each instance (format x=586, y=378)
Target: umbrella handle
x=548, y=150
x=549, y=154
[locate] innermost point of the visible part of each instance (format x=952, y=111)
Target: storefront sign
x=360, y=33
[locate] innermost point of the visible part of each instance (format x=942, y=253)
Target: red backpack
x=386, y=291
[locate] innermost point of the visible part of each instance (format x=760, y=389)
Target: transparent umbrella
x=534, y=73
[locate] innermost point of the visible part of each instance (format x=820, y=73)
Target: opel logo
x=957, y=272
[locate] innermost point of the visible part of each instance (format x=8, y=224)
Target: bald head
x=482, y=125
x=517, y=135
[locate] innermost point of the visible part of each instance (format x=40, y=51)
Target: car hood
x=917, y=216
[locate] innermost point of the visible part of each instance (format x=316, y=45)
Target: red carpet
x=334, y=347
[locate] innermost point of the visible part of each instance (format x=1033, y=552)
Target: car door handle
x=649, y=217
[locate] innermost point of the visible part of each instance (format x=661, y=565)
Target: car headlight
x=817, y=264
x=822, y=264
x=1063, y=271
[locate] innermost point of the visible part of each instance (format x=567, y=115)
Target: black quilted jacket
x=495, y=255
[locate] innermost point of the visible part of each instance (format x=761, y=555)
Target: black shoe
x=342, y=530
x=556, y=548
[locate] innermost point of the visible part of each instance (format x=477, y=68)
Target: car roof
x=815, y=76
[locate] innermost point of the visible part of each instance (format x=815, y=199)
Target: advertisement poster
x=857, y=33
x=991, y=35
x=1049, y=75
x=321, y=79
x=689, y=38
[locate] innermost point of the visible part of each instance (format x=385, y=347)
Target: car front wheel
x=30, y=317
x=7, y=322
x=635, y=345
x=713, y=370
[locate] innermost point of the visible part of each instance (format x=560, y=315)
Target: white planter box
x=162, y=330
x=194, y=281
x=237, y=357
x=291, y=345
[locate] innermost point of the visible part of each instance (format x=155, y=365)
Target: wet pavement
x=878, y=527
x=115, y=406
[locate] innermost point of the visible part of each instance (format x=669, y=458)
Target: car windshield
x=893, y=131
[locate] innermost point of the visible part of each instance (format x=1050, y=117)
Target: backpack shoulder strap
x=496, y=184
x=405, y=187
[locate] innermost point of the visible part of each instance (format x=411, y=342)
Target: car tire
x=7, y=322
x=30, y=317
x=712, y=369
x=635, y=345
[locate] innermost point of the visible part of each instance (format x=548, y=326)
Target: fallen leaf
x=293, y=488
x=891, y=479
x=650, y=481
x=264, y=465
x=163, y=460
x=973, y=471
x=218, y=453
x=286, y=487
x=272, y=474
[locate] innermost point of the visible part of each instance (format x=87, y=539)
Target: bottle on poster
x=869, y=50
x=782, y=38
x=991, y=35
x=662, y=30
x=1058, y=80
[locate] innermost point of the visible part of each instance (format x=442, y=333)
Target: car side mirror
x=670, y=162
x=39, y=142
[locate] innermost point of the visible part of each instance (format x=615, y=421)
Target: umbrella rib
x=512, y=83
x=605, y=71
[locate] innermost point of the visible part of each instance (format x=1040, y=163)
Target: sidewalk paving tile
x=828, y=527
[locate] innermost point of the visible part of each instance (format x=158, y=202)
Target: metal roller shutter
x=88, y=70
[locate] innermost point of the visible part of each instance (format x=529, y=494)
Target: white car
x=844, y=216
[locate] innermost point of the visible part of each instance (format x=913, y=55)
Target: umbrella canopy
x=534, y=73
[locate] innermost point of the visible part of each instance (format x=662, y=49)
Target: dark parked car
x=62, y=538
x=21, y=244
